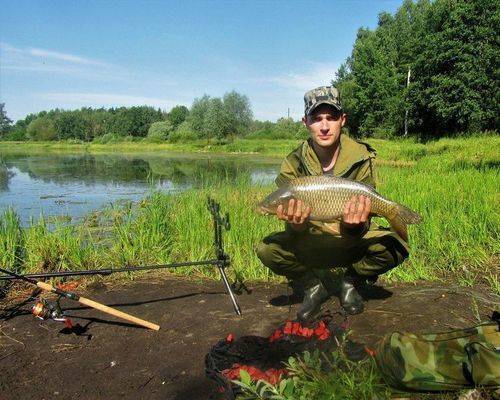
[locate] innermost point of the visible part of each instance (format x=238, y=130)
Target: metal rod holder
x=222, y=261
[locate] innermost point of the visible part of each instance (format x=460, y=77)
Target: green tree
x=178, y=115
x=99, y=121
x=5, y=122
x=372, y=89
x=238, y=112
x=18, y=131
x=41, y=128
x=134, y=121
x=72, y=125
x=455, y=86
x=217, y=123
x=197, y=114
x=451, y=49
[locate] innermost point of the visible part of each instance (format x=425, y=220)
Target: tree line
x=211, y=118
x=448, y=51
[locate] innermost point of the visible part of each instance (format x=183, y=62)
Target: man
x=306, y=250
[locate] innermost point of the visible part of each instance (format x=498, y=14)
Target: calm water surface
x=76, y=184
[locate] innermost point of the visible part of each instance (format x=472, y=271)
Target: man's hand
x=296, y=214
x=356, y=212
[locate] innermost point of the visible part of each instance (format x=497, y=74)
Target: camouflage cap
x=321, y=95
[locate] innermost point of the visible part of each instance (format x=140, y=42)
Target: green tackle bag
x=442, y=361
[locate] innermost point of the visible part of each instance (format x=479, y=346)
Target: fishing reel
x=44, y=309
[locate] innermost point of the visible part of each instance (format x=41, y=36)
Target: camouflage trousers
x=294, y=254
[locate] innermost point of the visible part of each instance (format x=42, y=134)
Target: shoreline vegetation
x=395, y=149
x=268, y=147
x=453, y=183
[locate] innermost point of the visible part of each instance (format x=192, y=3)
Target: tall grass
x=452, y=183
x=141, y=234
x=57, y=248
x=11, y=240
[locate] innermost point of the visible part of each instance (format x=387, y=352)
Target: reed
x=141, y=233
x=11, y=240
x=57, y=247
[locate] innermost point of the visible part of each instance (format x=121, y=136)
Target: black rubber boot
x=350, y=300
x=314, y=295
x=329, y=281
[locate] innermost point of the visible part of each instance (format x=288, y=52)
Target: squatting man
x=306, y=251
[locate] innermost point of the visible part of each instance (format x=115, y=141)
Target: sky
x=106, y=53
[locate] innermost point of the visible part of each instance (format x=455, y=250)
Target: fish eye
x=285, y=196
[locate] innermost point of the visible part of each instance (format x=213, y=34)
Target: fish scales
x=327, y=196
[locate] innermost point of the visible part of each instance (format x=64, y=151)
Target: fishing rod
x=109, y=271
x=221, y=262
x=83, y=300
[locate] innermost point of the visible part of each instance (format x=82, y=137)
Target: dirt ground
x=116, y=360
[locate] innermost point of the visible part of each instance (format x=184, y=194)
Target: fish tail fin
x=403, y=216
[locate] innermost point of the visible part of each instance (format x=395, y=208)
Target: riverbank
x=481, y=148
x=452, y=183
x=261, y=146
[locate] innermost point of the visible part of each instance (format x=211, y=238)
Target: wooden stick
x=99, y=306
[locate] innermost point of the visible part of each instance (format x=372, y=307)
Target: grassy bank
x=476, y=150
x=452, y=183
x=261, y=146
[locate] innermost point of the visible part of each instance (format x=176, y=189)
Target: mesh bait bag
x=263, y=357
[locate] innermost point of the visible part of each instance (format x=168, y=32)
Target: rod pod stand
x=222, y=258
x=221, y=261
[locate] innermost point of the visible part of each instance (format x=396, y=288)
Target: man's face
x=324, y=125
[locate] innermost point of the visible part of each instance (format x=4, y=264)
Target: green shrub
x=184, y=132
x=178, y=115
x=108, y=138
x=15, y=134
x=42, y=129
x=159, y=131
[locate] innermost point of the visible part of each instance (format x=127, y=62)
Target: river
x=72, y=185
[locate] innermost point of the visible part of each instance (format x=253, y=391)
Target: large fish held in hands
x=327, y=195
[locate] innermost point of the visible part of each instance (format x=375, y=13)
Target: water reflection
x=78, y=183
x=5, y=175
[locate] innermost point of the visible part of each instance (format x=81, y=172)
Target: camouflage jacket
x=355, y=162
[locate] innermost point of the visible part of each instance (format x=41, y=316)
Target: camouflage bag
x=442, y=361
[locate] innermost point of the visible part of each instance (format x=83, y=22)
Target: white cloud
x=105, y=100
x=7, y=47
x=318, y=74
x=52, y=62
x=36, y=60
x=71, y=58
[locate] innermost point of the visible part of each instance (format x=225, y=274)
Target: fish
x=327, y=195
